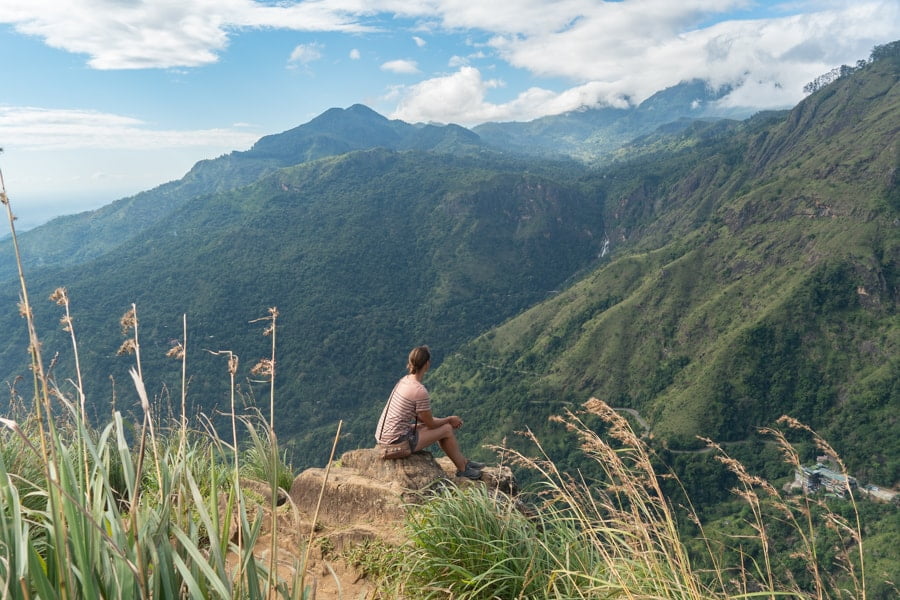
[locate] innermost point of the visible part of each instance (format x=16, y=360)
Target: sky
x=101, y=99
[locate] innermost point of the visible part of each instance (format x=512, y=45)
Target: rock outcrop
x=363, y=498
x=364, y=489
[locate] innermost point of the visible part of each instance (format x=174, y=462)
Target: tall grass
x=174, y=541
x=82, y=517
x=617, y=537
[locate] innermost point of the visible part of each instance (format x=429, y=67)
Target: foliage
x=495, y=551
x=152, y=538
x=121, y=512
x=752, y=290
x=715, y=277
x=258, y=461
x=375, y=560
x=620, y=536
x=362, y=261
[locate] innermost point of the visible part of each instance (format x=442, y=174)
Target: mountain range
x=709, y=273
x=587, y=134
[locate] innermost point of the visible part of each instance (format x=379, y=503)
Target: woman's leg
x=444, y=436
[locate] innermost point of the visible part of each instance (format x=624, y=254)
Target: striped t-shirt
x=408, y=398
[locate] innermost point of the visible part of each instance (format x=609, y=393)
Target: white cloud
x=456, y=98
x=632, y=47
x=591, y=52
x=29, y=129
x=608, y=43
x=164, y=33
x=402, y=67
x=303, y=54
x=613, y=51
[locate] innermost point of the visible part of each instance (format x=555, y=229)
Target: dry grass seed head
x=176, y=351
x=784, y=446
x=517, y=458
x=820, y=443
x=793, y=423
x=59, y=296
x=265, y=368
x=127, y=347
x=128, y=321
x=66, y=322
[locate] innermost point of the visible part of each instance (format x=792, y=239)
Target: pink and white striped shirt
x=408, y=398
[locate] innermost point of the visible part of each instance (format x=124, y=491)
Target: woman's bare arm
x=431, y=422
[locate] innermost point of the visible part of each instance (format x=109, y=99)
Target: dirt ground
x=328, y=577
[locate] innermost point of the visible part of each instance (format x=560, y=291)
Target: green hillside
x=588, y=135
x=364, y=255
x=727, y=273
x=713, y=276
x=76, y=239
x=755, y=276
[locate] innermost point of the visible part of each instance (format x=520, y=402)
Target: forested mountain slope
x=756, y=275
x=74, y=239
x=364, y=255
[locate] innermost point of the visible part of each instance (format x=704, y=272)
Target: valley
x=705, y=278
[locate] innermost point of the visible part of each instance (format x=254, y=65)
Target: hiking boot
x=475, y=465
x=470, y=472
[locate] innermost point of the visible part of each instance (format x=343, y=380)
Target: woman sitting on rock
x=407, y=415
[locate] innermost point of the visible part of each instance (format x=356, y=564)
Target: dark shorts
x=412, y=437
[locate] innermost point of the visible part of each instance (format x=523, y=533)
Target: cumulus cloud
x=619, y=52
x=630, y=48
x=635, y=47
x=354, y=54
x=402, y=67
x=457, y=98
x=607, y=43
x=164, y=33
x=29, y=128
x=461, y=98
x=303, y=54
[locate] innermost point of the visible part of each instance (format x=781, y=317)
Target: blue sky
x=100, y=99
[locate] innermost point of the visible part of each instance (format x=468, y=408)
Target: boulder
x=263, y=490
x=419, y=471
x=362, y=488
x=365, y=498
x=348, y=498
